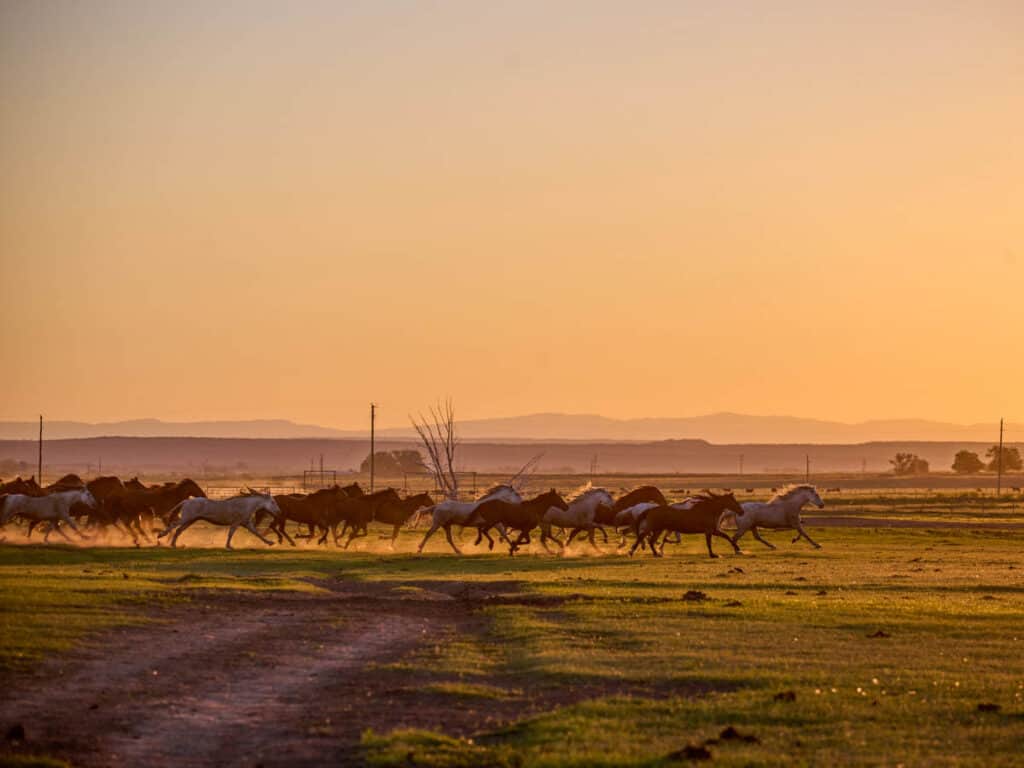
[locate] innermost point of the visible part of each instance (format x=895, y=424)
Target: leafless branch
x=441, y=443
x=518, y=480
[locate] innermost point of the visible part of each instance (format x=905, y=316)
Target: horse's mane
x=789, y=491
x=495, y=489
x=583, y=492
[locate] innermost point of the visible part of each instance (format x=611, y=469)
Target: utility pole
x=807, y=472
x=373, y=425
x=999, y=462
x=39, y=472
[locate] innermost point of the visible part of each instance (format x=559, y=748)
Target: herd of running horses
x=143, y=511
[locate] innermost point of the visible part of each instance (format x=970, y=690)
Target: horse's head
x=815, y=499
x=269, y=503
x=191, y=487
x=353, y=489
x=85, y=497
x=551, y=499
x=730, y=504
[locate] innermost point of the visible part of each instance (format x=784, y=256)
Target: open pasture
x=887, y=646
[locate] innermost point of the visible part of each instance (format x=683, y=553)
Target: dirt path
x=261, y=679
x=279, y=678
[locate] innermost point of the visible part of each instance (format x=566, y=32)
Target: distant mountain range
x=718, y=428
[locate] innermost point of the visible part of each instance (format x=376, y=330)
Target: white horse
x=463, y=513
x=54, y=509
x=580, y=516
x=780, y=512
x=236, y=511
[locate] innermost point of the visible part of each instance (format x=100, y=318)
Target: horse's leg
x=252, y=529
x=231, y=532
x=31, y=527
x=757, y=535
x=448, y=534
x=486, y=533
x=179, y=530
x=282, y=530
x=652, y=542
x=603, y=532
x=139, y=528
x=572, y=535
x=394, y=534
x=802, y=532
x=430, y=532
x=711, y=553
x=55, y=526
x=728, y=538
x=635, y=544
x=591, y=538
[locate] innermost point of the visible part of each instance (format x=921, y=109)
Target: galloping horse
x=234, y=512
x=580, y=515
x=702, y=514
x=358, y=512
x=463, y=513
x=53, y=508
x=780, y=512
x=397, y=513
x=131, y=507
x=25, y=487
x=522, y=516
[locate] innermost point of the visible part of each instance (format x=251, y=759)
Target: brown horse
x=70, y=482
x=702, y=514
x=523, y=516
x=25, y=487
x=397, y=513
x=316, y=511
x=131, y=507
x=357, y=513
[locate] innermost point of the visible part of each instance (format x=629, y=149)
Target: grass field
x=877, y=649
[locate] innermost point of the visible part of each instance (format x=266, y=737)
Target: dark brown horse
x=701, y=514
x=131, y=508
x=606, y=515
x=523, y=517
x=357, y=513
x=316, y=511
x=397, y=513
x=70, y=482
x=135, y=484
x=25, y=487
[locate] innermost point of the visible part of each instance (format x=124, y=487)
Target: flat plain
x=888, y=646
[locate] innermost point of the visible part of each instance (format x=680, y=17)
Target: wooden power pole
x=373, y=419
x=39, y=471
x=999, y=462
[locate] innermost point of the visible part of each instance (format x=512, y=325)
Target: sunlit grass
x=656, y=671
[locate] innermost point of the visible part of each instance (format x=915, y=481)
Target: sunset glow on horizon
x=260, y=210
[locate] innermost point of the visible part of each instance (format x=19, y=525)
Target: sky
x=251, y=209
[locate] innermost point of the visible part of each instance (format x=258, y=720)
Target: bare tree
x=520, y=478
x=437, y=433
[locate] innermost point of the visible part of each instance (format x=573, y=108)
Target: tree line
x=964, y=463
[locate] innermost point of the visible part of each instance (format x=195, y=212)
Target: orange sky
x=245, y=210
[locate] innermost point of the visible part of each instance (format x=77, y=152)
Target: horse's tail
x=418, y=515
x=173, y=513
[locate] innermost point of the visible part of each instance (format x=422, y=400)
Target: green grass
x=662, y=672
